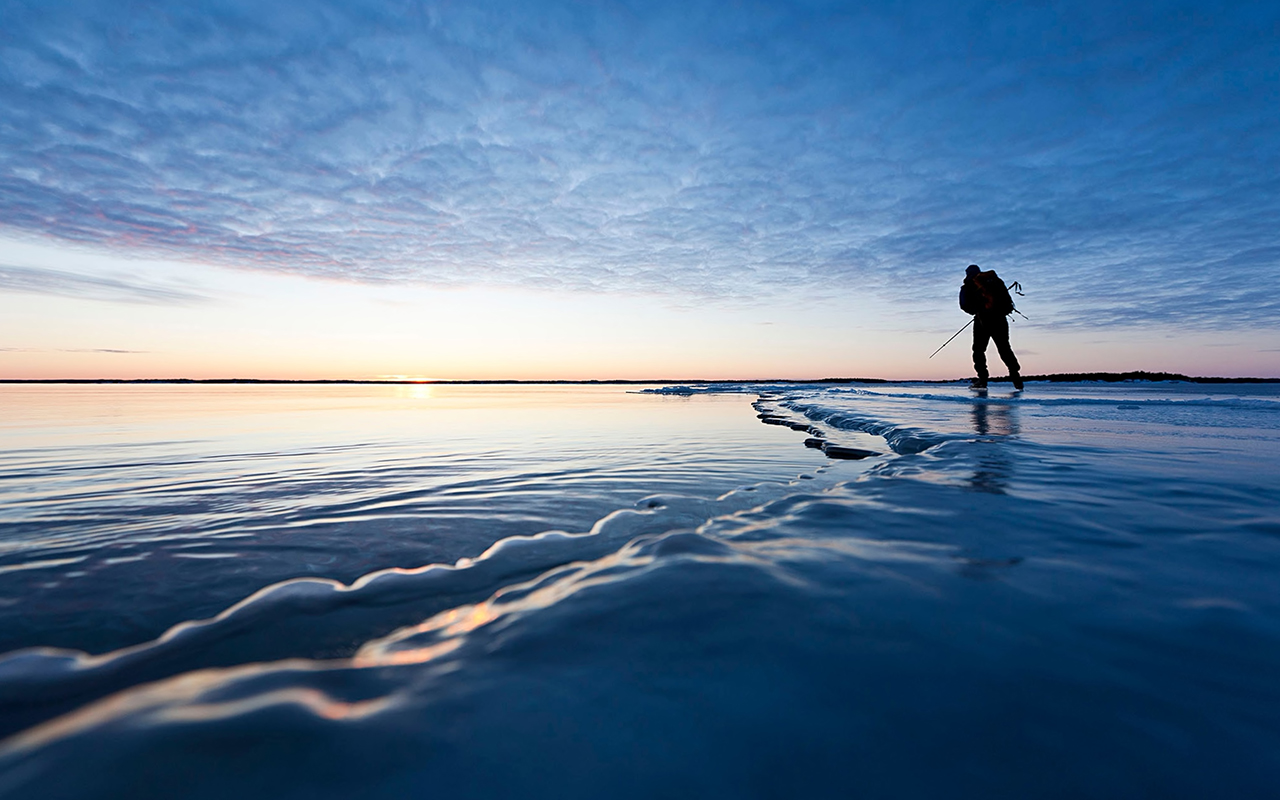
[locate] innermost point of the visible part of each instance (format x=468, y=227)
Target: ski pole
x=954, y=335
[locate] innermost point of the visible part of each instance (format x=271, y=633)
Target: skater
x=984, y=296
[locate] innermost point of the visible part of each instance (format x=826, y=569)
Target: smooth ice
x=588, y=591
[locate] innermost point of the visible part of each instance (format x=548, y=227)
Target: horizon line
x=1061, y=377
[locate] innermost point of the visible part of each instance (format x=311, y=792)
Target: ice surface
x=1065, y=594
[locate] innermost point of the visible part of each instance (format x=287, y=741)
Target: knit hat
x=973, y=269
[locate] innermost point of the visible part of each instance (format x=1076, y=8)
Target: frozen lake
x=588, y=591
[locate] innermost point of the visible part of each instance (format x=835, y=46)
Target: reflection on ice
x=117, y=499
x=994, y=465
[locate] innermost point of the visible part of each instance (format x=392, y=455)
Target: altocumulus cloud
x=1120, y=157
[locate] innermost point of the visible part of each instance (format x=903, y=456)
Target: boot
x=1017, y=380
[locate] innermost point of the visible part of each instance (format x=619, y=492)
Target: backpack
x=986, y=294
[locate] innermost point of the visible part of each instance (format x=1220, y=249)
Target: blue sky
x=746, y=164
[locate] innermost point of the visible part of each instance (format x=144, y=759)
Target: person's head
x=973, y=269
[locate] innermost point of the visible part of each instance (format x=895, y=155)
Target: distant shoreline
x=1061, y=377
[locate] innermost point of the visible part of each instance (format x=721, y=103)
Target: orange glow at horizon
x=260, y=325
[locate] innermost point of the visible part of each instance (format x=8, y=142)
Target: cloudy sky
x=593, y=190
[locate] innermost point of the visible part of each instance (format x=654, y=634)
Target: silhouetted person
x=984, y=296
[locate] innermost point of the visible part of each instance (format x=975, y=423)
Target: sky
x=567, y=190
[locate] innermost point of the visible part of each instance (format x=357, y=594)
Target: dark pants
x=984, y=330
